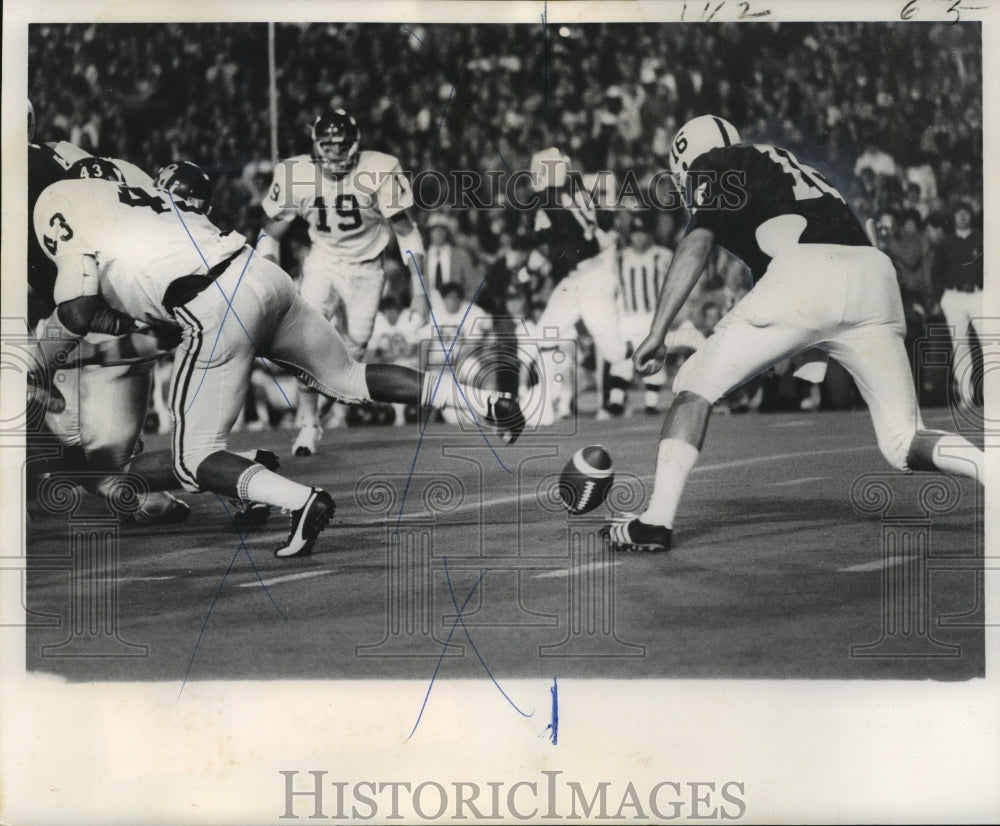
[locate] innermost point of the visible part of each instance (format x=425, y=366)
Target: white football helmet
x=549, y=168
x=696, y=137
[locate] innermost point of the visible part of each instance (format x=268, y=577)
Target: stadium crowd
x=891, y=113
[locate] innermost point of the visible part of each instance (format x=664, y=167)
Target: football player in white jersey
x=354, y=201
x=818, y=282
x=104, y=406
x=642, y=266
x=129, y=253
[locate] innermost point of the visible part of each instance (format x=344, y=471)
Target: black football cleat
x=307, y=522
x=632, y=534
x=504, y=413
x=250, y=514
x=267, y=458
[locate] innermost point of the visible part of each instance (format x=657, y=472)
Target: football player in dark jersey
x=818, y=282
x=580, y=257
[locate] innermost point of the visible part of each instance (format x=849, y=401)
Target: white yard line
x=507, y=499
x=877, y=565
x=257, y=583
x=792, y=482
x=562, y=573
x=146, y=578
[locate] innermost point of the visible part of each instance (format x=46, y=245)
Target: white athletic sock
x=957, y=455
x=652, y=396
x=307, y=407
x=674, y=461
x=258, y=484
x=447, y=394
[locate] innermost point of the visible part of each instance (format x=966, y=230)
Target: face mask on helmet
x=695, y=138
x=335, y=142
x=186, y=183
x=97, y=168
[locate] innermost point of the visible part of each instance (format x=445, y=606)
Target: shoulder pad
x=369, y=161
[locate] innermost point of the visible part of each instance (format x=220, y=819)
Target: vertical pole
x=272, y=87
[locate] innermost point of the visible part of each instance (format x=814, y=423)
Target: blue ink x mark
x=447, y=364
x=242, y=548
x=553, y=727
x=451, y=94
x=460, y=621
x=229, y=308
x=545, y=62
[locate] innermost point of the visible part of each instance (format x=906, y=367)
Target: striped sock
x=258, y=484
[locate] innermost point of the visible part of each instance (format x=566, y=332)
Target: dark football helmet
x=335, y=142
x=99, y=168
x=187, y=183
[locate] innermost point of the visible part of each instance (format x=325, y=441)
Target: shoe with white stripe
x=305, y=443
x=307, y=523
x=629, y=533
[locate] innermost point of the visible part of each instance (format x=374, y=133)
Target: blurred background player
x=463, y=331
x=818, y=282
x=354, y=202
x=395, y=338
x=580, y=257
x=642, y=266
x=127, y=253
x=957, y=277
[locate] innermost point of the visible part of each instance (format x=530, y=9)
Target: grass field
x=778, y=570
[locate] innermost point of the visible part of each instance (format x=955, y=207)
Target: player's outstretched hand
x=649, y=356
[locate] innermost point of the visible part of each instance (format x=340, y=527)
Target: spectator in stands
x=126, y=91
x=910, y=251
x=394, y=340
x=448, y=263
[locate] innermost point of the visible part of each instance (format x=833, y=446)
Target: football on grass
x=585, y=480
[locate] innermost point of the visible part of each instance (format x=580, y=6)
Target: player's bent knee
x=691, y=379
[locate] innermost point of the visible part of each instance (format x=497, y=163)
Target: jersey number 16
x=808, y=182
